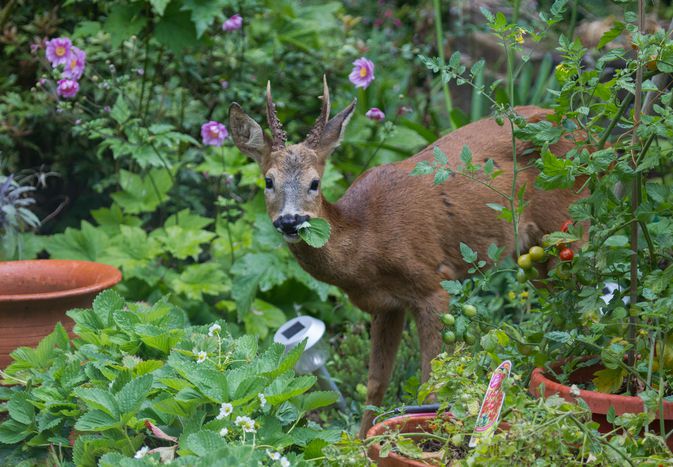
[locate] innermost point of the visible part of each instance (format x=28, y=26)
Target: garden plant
x=116, y=146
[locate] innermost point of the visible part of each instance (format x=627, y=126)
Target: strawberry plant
x=139, y=381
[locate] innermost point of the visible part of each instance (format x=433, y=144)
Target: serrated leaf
x=466, y=155
x=20, y=409
x=613, y=33
x=422, y=168
x=317, y=233
x=134, y=393
x=609, y=380
x=202, y=442
x=12, y=432
x=468, y=254
x=98, y=399
x=453, y=287
x=440, y=157
x=96, y=420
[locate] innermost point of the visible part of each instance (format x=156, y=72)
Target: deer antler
x=278, y=134
x=313, y=137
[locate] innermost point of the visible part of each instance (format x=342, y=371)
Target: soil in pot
x=599, y=403
x=34, y=296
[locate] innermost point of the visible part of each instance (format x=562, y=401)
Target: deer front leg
x=430, y=329
x=386, y=332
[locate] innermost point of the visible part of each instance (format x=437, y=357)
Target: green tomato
x=521, y=276
x=537, y=254
x=532, y=274
x=448, y=319
x=469, y=310
x=525, y=261
x=449, y=337
x=470, y=339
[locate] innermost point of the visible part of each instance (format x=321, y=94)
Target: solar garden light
x=316, y=352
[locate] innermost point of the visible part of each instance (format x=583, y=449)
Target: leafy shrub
x=139, y=376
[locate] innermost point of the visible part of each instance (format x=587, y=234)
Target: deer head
x=292, y=172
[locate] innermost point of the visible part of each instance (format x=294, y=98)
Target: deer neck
x=331, y=262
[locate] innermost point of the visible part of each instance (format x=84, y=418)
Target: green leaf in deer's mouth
x=315, y=232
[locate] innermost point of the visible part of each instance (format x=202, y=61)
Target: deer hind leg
x=386, y=333
x=430, y=329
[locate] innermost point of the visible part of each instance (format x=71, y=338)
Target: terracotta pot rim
x=632, y=404
x=110, y=276
x=402, y=419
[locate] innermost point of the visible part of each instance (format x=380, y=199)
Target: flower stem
x=635, y=199
x=440, y=52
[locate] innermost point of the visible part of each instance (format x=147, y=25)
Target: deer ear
x=248, y=136
x=334, y=131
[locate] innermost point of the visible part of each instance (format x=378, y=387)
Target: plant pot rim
x=107, y=276
x=600, y=402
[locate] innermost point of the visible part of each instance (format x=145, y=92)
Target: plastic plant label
x=489, y=413
x=315, y=232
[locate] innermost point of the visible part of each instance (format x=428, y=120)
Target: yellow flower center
x=73, y=63
x=363, y=72
x=60, y=51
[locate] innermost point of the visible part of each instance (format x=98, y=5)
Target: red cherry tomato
x=566, y=224
x=566, y=254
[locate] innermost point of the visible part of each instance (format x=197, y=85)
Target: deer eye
x=269, y=183
x=314, y=185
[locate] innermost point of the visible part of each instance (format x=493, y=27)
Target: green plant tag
x=315, y=232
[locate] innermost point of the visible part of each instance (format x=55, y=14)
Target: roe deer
x=395, y=237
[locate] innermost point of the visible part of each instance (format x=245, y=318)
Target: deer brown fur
x=396, y=237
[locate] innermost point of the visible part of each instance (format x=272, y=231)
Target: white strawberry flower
x=225, y=410
x=214, y=329
x=247, y=424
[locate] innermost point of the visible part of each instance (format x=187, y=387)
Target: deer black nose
x=288, y=223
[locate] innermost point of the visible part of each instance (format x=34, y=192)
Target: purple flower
x=375, y=114
x=67, y=88
x=213, y=133
x=58, y=51
x=224, y=83
x=363, y=73
x=233, y=23
x=74, y=68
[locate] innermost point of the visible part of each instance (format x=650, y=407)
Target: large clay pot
x=598, y=402
x=34, y=296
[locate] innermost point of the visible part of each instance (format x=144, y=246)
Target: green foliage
x=316, y=233
x=138, y=366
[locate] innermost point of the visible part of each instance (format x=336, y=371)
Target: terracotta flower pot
x=34, y=296
x=411, y=423
x=598, y=402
